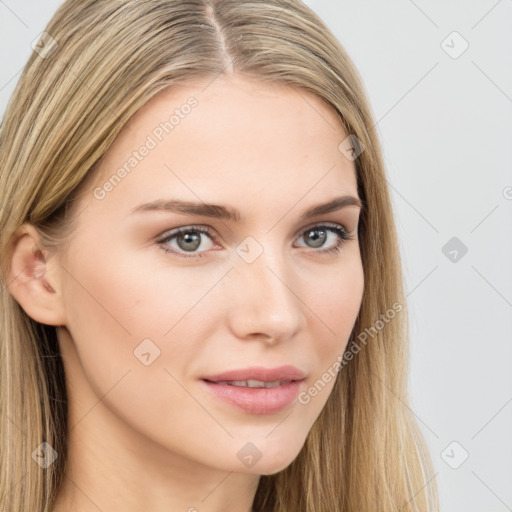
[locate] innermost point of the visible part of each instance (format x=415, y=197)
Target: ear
x=34, y=278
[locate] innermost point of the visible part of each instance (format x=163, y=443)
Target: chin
x=273, y=463
x=271, y=469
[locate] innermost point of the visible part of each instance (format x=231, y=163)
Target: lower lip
x=257, y=400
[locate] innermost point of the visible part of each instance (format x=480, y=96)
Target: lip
x=286, y=372
x=259, y=401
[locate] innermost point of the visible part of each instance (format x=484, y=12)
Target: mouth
x=252, y=383
x=254, y=396
x=258, y=376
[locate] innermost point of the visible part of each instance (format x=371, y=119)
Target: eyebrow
x=227, y=213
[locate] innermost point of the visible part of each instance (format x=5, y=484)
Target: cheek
x=137, y=296
x=336, y=306
x=116, y=302
x=338, y=297
x=111, y=311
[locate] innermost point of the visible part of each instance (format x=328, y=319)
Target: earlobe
x=33, y=279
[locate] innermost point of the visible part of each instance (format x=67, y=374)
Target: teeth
x=253, y=383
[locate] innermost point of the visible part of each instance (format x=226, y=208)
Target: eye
x=189, y=239
x=317, y=235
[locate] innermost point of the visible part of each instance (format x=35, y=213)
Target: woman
x=202, y=291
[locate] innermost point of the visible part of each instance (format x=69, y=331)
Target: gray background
x=445, y=124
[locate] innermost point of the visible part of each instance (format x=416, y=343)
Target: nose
x=266, y=305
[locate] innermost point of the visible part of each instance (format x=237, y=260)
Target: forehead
x=238, y=141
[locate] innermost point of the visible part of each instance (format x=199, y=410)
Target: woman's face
x=150, y=315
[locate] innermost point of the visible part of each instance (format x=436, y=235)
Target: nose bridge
x=266, y=302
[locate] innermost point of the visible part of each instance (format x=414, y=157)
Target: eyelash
x=343, y=237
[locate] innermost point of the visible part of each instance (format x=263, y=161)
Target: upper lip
x=280, y=373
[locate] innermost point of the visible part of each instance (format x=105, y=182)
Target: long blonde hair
x=99, y=63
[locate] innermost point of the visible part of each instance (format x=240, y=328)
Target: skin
x=150, y=437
